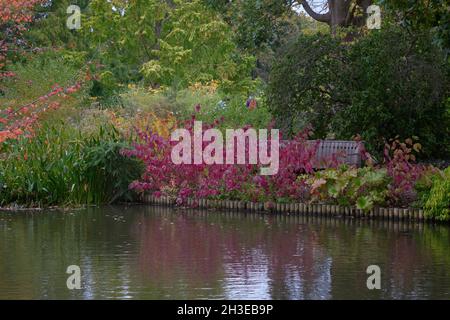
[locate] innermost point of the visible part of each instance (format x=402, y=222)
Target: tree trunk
x=341, y=13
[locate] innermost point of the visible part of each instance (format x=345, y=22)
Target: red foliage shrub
x=228, y=181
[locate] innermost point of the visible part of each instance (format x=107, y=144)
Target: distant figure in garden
x=251, y=103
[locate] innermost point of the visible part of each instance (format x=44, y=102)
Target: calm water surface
x=145, y=252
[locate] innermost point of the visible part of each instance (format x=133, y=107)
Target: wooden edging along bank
x=404, y=214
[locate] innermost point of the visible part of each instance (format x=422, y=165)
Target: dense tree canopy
x=165, y=42
x=386, y=84
x=432, y=15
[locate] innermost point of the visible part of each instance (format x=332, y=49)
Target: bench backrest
x=345, y=151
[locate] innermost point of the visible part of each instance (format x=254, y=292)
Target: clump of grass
x=61, y=166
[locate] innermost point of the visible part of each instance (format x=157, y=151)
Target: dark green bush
x=298, y=83
x=381, y=85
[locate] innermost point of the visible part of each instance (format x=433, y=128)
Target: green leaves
x=61, y=169
x=437, y=201
x=417, y=15
x=364, y=187
x=364, y=203
x=333, y=191
x=344, y=89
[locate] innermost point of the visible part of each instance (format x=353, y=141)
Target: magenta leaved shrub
x=221, y=181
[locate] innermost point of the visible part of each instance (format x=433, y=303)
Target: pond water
x=144, y=252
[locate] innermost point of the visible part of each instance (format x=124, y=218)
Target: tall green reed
x=62, y=166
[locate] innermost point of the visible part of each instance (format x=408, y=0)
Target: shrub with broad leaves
x=349, y=186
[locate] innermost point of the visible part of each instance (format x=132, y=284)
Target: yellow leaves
x=173, y=54
x=409, y=144
x=163, y=126
x=175, y=33
x=145, y=121
x=152, y=70
x=157, y=90
x=417, y=147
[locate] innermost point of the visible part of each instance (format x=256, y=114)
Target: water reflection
x=158, y=253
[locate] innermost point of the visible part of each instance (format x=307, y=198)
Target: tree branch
x=326, y=17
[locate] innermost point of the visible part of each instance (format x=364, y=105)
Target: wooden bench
x=347, y=152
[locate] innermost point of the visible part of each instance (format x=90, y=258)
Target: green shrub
x=297, y=84
x=381, y=85
x=235, y=114
x=424, y=185
x=60, y=166
x=436, y=202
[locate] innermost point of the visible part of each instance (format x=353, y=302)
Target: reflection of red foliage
x=167, y=247
x=197, y=252
x=245, y=256
x=405, y=255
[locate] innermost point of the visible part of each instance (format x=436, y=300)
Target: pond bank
x=325, y=210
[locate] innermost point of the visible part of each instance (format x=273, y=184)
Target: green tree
x=381, y=85
x=165, y=42
x=337, y=13
x=262, y=27
x=50, y=28
x=197, y=46
x=417, y=15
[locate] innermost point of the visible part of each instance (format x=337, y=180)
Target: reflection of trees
x=293, y=258
x=148, y=252
x=433, y=248
x=175, y=252
x=36, y=248
x=420, y=259
x=34, y=252
x=400, y=249
x=287, y=256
